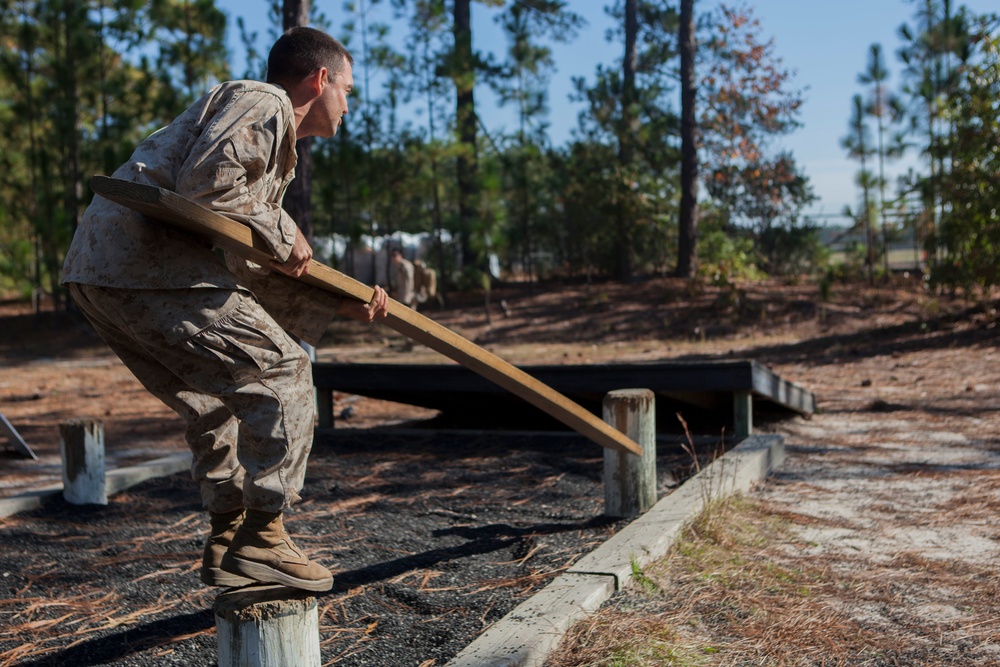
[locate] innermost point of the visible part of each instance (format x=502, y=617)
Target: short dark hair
x=301, y=51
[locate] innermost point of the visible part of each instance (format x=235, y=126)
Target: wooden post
x=267, y=626
x=742, y=414
x=324, y=407
x=630, y=480
x=81, y=443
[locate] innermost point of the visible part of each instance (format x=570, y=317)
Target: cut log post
x=81, y=443
x=630, y=480
x=267, y=626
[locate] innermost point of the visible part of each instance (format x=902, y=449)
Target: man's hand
x=297, y=263
x=377, y=308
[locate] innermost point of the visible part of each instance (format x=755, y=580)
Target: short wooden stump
x=267, y=626
x=630, y=480
x=81, y=444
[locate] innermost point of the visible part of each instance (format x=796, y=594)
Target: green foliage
x=747, y=101
x=640, y=579
x=854, y=267
x=793, y=250
x=191, y=53
x=725, y=258
x=78, y=92
x=584, y=178
x=81, y=83
x=635, y=118
x=969, y=232
x=726, y=255
x=16, y=260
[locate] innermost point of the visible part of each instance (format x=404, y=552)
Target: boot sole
x=214, y=576
x=268, y=575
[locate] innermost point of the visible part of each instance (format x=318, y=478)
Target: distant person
x=401, y=280
x=209, y=338
x=425, y=282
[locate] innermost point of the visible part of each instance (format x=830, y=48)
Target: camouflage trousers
x=241, y=384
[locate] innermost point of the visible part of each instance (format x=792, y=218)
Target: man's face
x=335, y=96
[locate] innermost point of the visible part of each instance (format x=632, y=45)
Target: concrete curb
x=527, y=635
x=116, y=480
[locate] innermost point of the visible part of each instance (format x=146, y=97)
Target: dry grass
x=732, y=592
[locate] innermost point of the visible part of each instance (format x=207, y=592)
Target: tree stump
x=630, y=480
x=81, y=443
x=267, y=626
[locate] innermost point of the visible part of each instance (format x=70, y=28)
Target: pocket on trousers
x=246, y=341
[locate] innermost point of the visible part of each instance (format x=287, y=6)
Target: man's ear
x=318, y=81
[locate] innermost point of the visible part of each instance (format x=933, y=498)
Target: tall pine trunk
x=298, y=198
x=67, y=122
x=687, y=238
x=465, y=119
x=626, y=152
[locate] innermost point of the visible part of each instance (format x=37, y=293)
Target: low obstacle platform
x=729, y=389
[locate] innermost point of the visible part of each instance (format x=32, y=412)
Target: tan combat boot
x=263, y=551
x=223, y=527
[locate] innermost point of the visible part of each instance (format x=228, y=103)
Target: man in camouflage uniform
x=209, y=338
x=402, y=279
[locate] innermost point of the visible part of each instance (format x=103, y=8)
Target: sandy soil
x=891, y=492
x=906, y=395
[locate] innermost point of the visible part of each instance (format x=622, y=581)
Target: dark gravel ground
x=432, y=537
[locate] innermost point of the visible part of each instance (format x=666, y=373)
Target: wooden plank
x=228, y=234
x=15, y=438
x=769, y=384
x=117, y=480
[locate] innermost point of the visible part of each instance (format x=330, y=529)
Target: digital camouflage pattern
x=241, y=384
x=233, y=151
x=207, y=336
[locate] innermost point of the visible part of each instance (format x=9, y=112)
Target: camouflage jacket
x=232, y=151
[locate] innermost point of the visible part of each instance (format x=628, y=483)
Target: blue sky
x=825, y=42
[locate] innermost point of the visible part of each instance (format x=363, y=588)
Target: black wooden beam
x=439, y=385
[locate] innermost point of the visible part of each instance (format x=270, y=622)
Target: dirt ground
x=889, y=546
x=437, y=538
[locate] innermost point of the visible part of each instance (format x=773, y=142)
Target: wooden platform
x=726, y=392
